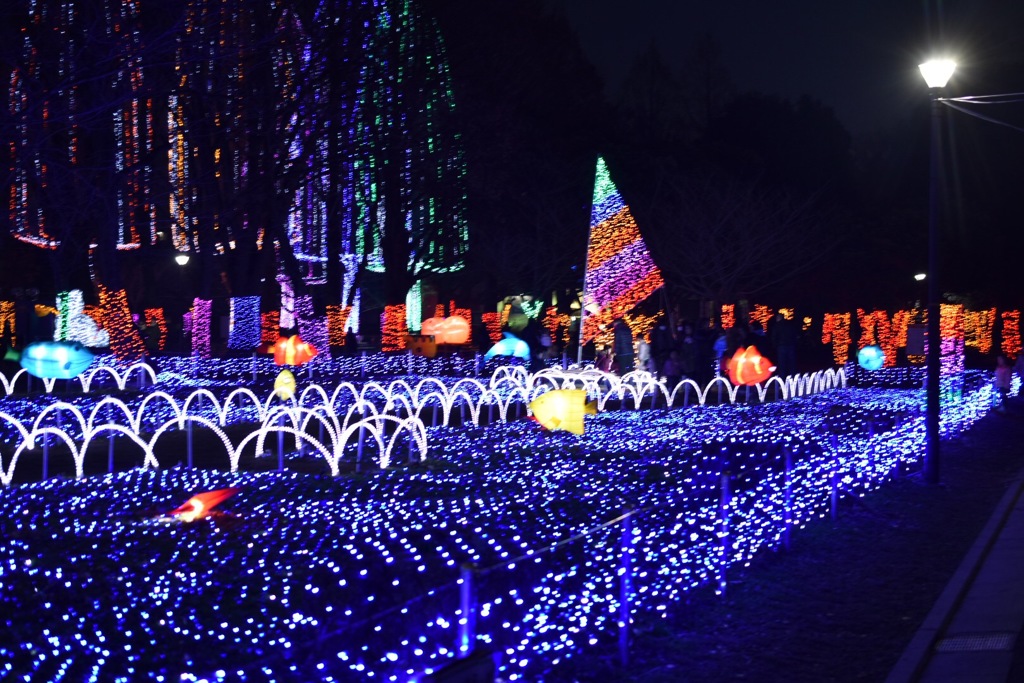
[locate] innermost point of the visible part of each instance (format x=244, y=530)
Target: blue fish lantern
x=511, y=345
x=52, y=359
x=871, y=358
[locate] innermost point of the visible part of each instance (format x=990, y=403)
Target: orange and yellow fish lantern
x=293, y=351
x=562, y=410
x=748, y=366
x=200, y=505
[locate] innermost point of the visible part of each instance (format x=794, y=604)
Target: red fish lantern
x=748, y=366
x=293, y=351
x=200, y=505
x=451, y=330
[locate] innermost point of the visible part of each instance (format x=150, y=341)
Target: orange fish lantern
x=748, y=366
x=293, y=351
x=451, y=330
x=200, y=505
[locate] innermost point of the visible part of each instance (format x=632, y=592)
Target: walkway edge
x=915, y=657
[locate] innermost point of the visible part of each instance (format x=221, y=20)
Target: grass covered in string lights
x=355, y=577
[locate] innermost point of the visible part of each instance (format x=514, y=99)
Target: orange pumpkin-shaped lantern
x=748, y=366
x=451, y=330
x=432, y=327
x=293, y=351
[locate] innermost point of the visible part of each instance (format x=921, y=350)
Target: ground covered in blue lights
x=356, y=577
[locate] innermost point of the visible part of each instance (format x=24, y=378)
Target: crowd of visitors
x=699, y=351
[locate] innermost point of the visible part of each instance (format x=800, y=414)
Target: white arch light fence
x=347, y=418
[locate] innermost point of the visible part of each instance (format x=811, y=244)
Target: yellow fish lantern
x=284, y=385
x=562, y=409
x=748, y=366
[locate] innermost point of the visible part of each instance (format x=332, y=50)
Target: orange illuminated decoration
x=270, y=327
x=493, y=324
x=761, y=314
x=465, y=313
x=1011, y=334
x=202, y=504
x=640, y=325
x=125, y=342
x=978, y=329
x=293, y=351
x=836, y=329
x=728, y=316
x=451, y=330
x=337, y=319
x=554, y=322
x=867, y=329
x=787, y=313
x=7, y=318
x=747, y=366
x=393, y=328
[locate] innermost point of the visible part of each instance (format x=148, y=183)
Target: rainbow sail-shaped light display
x=620, y=271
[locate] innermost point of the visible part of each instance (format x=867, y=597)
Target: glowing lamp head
x=181, y=259
x=937, y=72
x=871, y=357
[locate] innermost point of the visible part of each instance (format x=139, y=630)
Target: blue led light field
x=356, y=577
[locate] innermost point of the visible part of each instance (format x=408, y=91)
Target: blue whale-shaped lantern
x=871, y=357
x=511, y=345
x=52, y=359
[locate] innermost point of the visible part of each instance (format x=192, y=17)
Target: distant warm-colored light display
x=761, y=314
x=1011, y=333
x=620, y=272
x=392, y=328
x=492, y=322
x=125, y=342
x=728, y=316
x=835, y=330
x=337, y=318
x=978, y=326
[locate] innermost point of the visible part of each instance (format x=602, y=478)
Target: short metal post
x=476, y=365
x=467, y=608
x=362, y=365
x=280, y=442
x=723, y=531
x=834, y=481
x=46, y=457
x=362, y=439
x=189, y=440
x=788, y=500
x=625, y=586
x=833, y=478
x=110, y=443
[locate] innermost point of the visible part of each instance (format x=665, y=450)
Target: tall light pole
x=936, y=74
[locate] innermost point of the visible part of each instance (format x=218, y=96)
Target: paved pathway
x=974, y=632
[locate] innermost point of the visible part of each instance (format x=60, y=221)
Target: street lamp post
x=936, y=74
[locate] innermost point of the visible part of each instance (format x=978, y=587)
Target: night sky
x=860, y=58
